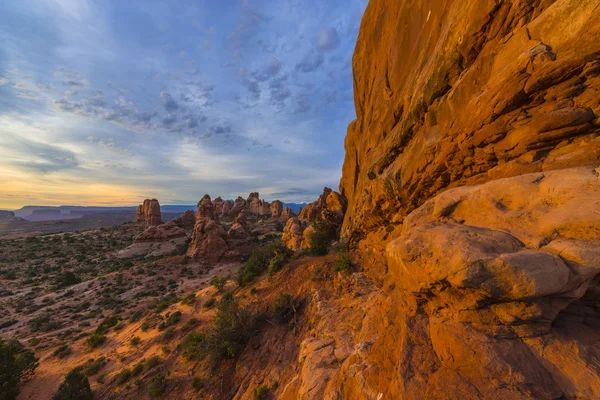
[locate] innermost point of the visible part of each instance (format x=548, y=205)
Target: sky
x=108, y=102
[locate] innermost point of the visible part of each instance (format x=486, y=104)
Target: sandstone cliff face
x=472, y=181
x=449, y=94
x=149, y=213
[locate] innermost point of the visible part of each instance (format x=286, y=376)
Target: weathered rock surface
x=286, y=214
x=238, y=205
x=451, y=95
x=149, y=213
x=238, y=232
x=292, y=234
x=226, y=209
x=276, y=209
x=473, y=187
x=329, y=209
x=256, y=205
x=187, y=220
x=209, y=239
x=157, y=241
x=497, y=284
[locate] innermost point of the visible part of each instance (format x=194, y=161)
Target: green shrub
x=276, y=263
x=343, y=262
x=157, y=385
x=209, y=303
x=257, y=264
x=188, y=299
x=95, y=340
x=92, y=367
x=16, y=365
x=271, y=258
x=138, y=368
x=151, y=363
x=135, y=340
x=225, y=337
x=75, y=387
x=261, y=392
x=66, y=279
x=43, y=323
x=218, y=282
x=320, y=239
x=123, y=376
x=62, y=351
x=106, y=324
x=197, y=383
x=166, y=335
x=283, y=307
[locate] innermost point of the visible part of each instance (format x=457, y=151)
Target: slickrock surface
x=472, y=179
x=157, y=241
x=149, y=213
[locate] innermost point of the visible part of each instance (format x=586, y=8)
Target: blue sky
x=112, y=101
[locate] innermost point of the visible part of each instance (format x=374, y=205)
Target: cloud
x=261, y=87
x=310, y=62
x=168, y=102
x=328, y=39
x=39, y=157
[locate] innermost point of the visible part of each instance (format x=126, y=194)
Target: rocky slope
x=472, y=180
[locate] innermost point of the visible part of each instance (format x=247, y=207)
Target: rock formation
x=209, y=240
x=286, y=214
x=329, y=208
x=256, y=205
x=238, y=231
x=472, y=180
x=238, y=205
x=292, y=234
x=448, y=95
x=187, y=220
x=157, y=241
x=276, y=209
x=226, y=210
x=218, y=203
x=149, y=213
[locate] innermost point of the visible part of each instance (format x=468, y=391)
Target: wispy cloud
x=199, y=98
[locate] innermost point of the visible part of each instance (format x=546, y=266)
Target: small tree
x=75, y=387
x=16, y=365
x=320, y=239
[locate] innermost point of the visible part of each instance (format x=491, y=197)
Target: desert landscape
x=459, y=258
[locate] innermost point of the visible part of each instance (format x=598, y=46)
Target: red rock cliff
x=472, y=179
x=451, y=93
